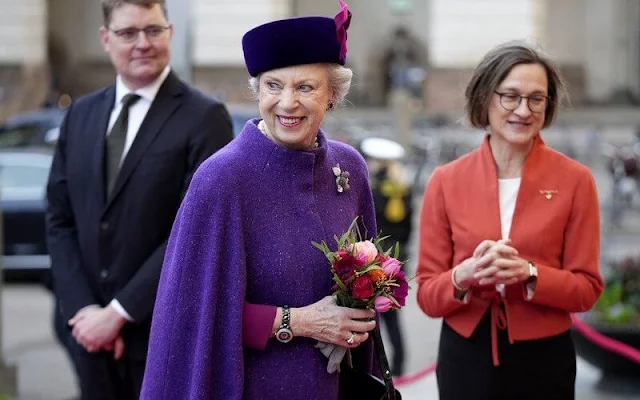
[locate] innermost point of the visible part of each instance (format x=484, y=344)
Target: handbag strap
x=384, y=363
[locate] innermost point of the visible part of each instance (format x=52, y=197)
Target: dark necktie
x=117, y=139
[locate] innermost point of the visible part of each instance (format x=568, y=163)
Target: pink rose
x=382, y=304
x=391, y=267
x=366, y=251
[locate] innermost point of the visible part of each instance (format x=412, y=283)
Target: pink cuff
x=257, y=323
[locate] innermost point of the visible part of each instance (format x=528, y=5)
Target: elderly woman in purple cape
x=243, y=309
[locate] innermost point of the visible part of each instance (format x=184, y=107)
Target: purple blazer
x=243, y=235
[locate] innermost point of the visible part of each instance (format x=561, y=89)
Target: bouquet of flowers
x=365, y=276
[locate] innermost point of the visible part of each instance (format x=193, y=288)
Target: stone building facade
x=53, y=44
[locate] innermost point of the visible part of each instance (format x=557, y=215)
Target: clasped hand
x=492, y=263
x=98, y=328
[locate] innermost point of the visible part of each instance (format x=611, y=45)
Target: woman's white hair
x=339, y=82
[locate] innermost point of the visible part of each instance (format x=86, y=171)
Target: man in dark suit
x=125, y=157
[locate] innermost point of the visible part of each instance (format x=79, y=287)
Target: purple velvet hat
x=295, y=41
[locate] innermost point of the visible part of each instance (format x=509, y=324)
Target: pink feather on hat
x=343, y=20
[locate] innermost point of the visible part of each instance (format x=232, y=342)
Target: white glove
x=334, y=353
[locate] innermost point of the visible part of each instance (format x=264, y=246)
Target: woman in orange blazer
x=509, y=241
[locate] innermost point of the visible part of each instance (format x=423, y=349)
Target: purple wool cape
x=244, y=233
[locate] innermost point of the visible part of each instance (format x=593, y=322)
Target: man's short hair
x=109, y=5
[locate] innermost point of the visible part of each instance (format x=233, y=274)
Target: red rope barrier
x=607, y=343
x=413, y=378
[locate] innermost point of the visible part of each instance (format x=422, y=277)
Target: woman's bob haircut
x=494, y=68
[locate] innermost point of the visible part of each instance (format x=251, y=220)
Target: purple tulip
x=400, y=292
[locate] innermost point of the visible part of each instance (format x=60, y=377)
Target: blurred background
x=411, y=61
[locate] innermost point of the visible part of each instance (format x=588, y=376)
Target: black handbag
x=359, y=385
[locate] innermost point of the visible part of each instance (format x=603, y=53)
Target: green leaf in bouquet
x=345, y=300
x=347, y=236
x=350, y=279
x=378, y=241
x=394, y=301
x=366, y=270
x=356, y=231
x=322, y=246
x=340, y=284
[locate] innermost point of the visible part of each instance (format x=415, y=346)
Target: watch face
x=284, y=335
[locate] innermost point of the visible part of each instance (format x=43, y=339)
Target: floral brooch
x=342, y=178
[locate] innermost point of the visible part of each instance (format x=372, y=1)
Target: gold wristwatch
x=533, y=273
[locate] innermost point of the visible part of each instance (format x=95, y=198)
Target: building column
x=179, y=15
x=632, y=19
x=24, y=48
x=23, y=71
x=611, y=55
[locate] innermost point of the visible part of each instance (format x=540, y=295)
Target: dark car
x=37, y=128
x=41, y=128
x=26, y=153
x=23, y=179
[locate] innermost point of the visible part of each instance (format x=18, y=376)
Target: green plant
x=620, y=299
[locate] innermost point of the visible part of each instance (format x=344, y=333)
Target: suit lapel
x=488, y=186
x=167, y=100
x=104, y=109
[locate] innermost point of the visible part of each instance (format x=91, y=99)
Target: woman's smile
x=290, y=122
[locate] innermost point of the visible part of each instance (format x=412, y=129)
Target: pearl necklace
x=263, y=128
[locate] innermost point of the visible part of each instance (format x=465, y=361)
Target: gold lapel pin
x=548, y=193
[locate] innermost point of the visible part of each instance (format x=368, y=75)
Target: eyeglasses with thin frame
x=537, y=103
x=131, y=34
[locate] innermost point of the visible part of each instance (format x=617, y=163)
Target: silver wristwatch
x=284, y=334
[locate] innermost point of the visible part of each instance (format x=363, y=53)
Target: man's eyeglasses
x=536, y=103
x=130, y=35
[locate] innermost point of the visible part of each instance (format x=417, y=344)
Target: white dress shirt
x=138, y=110
x=137, y=113
x=508, y=190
